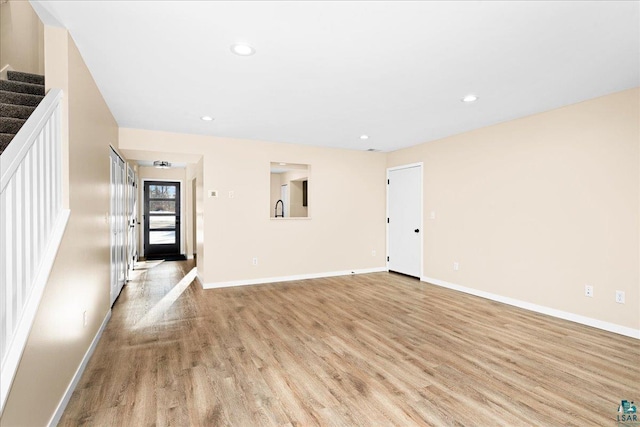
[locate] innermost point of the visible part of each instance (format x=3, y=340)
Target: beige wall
x=57, y=76
x=172, y=174
x=341, y=234
x=535, y=208
x=21, y=37
x=296, y=209
x=293, y=180
x=197, y=173
x=80, y=277
x=190, y=220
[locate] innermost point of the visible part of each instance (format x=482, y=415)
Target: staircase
x=32, y=215
x=20, y=94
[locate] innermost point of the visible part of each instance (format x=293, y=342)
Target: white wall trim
x=565, y=315
x=5, y=69
x=407, y=166
x=288, y=278
x=76, y=377
x=15, y=348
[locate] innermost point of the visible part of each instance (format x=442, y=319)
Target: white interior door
x=117, y=225
x=404, y=229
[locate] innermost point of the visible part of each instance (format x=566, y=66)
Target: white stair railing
x=32, y=222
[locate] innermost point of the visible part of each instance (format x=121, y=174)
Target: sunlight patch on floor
x=141, y=267
x=163, y=305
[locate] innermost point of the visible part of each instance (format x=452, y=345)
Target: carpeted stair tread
x=18, y=76
x=20, y=98
x=5, y=139
x=10, y=125
x=20, y=87
x=16, y=111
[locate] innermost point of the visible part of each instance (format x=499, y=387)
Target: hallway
x=376, y=349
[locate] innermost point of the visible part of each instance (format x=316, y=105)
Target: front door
x=161, y=219
x=404, y=194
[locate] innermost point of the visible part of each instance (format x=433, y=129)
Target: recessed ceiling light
x=206, y=118
x=283, y=164
x=364, y=136
x=242, y=49
x=470, y=98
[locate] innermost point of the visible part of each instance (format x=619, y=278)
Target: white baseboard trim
x=16, y=346
x=266, y=280
x=76, y=377
x=3, y=70
x=583, y=320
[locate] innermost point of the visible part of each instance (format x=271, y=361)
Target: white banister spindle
x=45, y=185
x=3, y=278
x=49, y=179
x=32, y=223
x=28, y=223
x=11, y=255
x=58, y=129
x=18, y=228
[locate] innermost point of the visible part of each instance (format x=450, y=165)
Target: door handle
x=417, y=230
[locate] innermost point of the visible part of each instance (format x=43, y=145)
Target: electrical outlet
x=456, y=266
x=255, y=261
x=373, y=253
x=432, y=215
x=84, y=318
x=232, y=194
x=588, y=291
x=620, y=297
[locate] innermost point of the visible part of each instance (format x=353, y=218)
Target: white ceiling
x=326, y=72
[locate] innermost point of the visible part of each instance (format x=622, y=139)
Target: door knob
x=417, y=230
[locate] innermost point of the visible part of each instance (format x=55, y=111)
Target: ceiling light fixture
x=470, y=98
x=161, y=164
x=242, y=49
x=206, y=118
x=364, y=136
x=283, y=164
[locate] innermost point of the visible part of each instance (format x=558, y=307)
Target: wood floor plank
x=367, y=350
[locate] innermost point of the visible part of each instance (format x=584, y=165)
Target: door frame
x=142, y=239
x=194, y=221
x=421, y=198
x=132, y=219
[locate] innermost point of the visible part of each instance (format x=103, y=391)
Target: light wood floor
x=370, y=350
